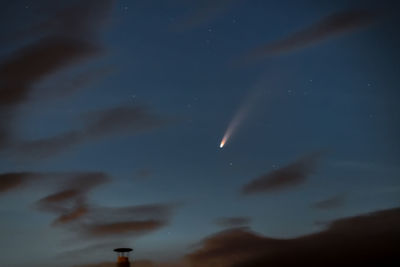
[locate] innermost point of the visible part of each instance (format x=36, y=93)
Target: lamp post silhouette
x=123, y=257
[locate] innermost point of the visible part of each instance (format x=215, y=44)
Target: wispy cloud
x=121, y=120
x=330, y=26
x=42, y=148
x=205, y=12
x=13, y=180
x=69, y=201
x=330, y=203
x=66, y=39
x=230, y=222
x=288, y=176
x=69, y=84
x=108, y=222
x=32, y=63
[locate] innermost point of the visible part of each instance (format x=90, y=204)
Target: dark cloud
x=24, y=68
x=288, y=176
x=74, y=184
x=229, y=247
x=331, y=203
x=32, y=63
x=69, y=201
x=366, y=240
x=71, y=183
x=67, y=39
x=72, y=215
x=15, y=180
x=98, y=124
x=230, y=222
x=61, y=196
x=4, y=135
x=10, y=181
x=333, y=25
x=88, y=220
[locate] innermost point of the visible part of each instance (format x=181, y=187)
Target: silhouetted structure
x=123, y=257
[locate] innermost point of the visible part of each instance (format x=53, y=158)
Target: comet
x=239, y=116
x=234, y=124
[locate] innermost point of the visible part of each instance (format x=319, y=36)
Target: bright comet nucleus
x=222, y=143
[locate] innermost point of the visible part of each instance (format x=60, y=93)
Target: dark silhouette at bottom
x=123, y=257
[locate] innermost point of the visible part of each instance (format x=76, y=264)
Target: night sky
x=112, y=115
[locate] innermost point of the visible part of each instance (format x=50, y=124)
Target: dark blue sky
x=125, y=103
